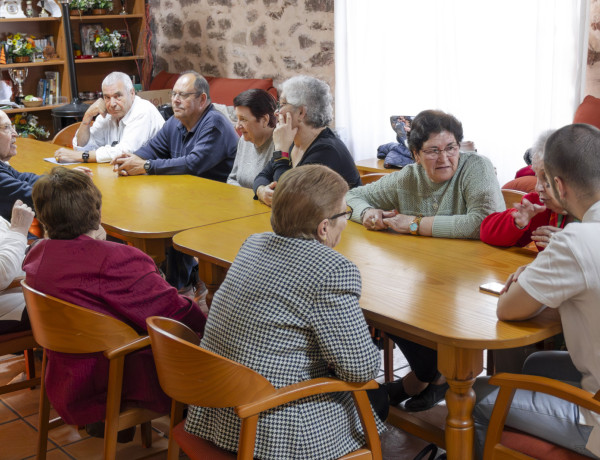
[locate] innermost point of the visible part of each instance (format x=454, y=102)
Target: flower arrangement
x=108, y=41
x=20, y=45
x=102, y=4
x=27, y=124
x=82, y=5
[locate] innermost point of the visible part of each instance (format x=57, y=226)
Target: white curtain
x=507, y=70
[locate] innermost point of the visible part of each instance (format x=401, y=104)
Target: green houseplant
x=107, y=42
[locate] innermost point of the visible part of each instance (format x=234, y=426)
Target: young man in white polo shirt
x=565, y=276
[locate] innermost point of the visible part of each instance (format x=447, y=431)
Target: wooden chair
x=191, y=375
x=371, y=177
x=508, y=383
x=67, y=328
x=64, y=137
x=511, y=197
x=16, y=342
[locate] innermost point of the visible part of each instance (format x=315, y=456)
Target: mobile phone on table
x=493, y=287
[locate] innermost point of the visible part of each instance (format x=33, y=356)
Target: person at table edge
x=445, y=193
x=196, y=140
x=124, y=122
x=302, y=136
x=14, y=185
x=565, y=276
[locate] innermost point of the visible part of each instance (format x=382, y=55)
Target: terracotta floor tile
x=6, y=415
x=18, y=440
x=66, y=434
x=24, y=402
x=91, y=448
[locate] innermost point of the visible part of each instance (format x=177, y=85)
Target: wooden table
x=424, y=289
x=148, y=210
x=371, y=165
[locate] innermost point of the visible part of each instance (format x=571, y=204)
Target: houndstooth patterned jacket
x=288, y=308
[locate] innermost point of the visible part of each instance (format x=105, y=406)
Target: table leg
x=154, y=247
x=212, y=275
x=460, y=366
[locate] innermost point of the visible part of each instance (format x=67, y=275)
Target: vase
x=104, y=54
x=98, y=11
x=75, y=12
x=21, y=59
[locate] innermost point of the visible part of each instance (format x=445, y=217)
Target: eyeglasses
x=347, y=213
x=434, y=153
x=7, y=127
x=182, y=96
x=281, y=104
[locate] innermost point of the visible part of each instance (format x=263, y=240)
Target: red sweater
x=119, y=281
x=499, y=228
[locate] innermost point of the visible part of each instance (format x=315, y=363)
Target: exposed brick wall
x=244, y=38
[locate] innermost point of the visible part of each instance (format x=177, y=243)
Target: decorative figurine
x=29, y=9
x=43, y=12
x=2, y=56
x=11, y=9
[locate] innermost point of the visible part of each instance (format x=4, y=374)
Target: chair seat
x=536, y=447
x=197, y=448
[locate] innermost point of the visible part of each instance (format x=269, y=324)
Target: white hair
x=116, y=77
x=314, y=95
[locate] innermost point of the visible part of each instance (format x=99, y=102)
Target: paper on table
x=53, y=160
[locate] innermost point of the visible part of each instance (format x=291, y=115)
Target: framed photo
x=88, y=34
x=126, y=45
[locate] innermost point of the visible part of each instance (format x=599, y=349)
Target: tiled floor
x=18, y=433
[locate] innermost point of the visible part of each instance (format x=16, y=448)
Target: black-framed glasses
x=347, y=213
x=434, y=153
x=281, y=104
x=182, y=96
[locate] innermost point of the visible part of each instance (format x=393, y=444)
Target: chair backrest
x=64, y=137
x=64, y=327
x=193, y=375
x=511, y=197
x=371, y=177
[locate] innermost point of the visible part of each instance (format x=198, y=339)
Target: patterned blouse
x=288, y=309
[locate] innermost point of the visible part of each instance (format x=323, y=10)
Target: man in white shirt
x=565, y=276
x=125, y=124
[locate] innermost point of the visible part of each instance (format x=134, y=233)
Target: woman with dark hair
x=302, y=136
x=288, y=308
x=445, y=193
x=255, y=111
x=110, y=278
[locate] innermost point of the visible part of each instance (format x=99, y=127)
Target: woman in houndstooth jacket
x=288, y=309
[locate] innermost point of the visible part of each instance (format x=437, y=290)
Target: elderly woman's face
x=439, y=156
x=252, y=129
x=284, y=107
x=543, y=187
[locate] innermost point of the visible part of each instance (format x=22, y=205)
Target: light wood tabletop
x=424, y=289
x=372, y=165
x=148, y=210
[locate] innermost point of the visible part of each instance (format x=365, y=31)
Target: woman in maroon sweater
x=536, y=218
x=114, y=279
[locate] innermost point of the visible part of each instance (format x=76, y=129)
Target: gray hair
x=118, y=77
x=200, y=84
x=537, y=149
x=314, y=95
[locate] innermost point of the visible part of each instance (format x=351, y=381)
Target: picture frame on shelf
x=87, y=32
x=126, y=44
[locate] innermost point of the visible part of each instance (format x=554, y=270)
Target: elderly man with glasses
x=197, y=140
x=124, y=123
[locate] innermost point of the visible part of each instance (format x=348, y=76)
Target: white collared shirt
x=136, y=128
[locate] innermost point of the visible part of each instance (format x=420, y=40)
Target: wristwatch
x=85, y=156
x=414, y=225
x=147, y=166
x=278, y=155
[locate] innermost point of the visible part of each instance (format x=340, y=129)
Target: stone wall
x=244, y=38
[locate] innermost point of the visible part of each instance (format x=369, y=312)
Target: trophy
x=123, y=10
x=18, y=76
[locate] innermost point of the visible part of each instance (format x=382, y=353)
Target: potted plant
x=101, y=6
x=20, y=47
x=79, y=7
x=27, y=125
x=106, y=42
